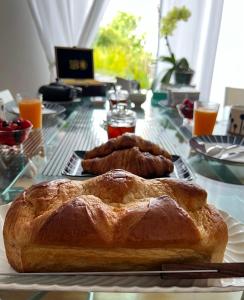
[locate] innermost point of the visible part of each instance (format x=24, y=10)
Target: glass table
x=47, y=151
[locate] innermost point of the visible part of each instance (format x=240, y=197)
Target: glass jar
x=117, y=96
x=120, y=120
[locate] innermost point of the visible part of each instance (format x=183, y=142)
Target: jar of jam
x=117, y=96
x=120, y=120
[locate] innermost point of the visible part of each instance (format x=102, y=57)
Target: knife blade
x=203, y=271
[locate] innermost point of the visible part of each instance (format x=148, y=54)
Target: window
x=127, y=41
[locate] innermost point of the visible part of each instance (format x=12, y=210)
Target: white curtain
x=196, y=39
x=66, y=23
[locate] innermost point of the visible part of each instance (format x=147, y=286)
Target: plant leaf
x=167, y=76
x=168, y=59
x=182, y=64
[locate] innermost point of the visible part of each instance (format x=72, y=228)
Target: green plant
x=167, y=28
x=120, y=52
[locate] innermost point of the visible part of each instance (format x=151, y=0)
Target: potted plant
x=179, y=67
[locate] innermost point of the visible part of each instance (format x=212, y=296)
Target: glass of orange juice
x=30, y=108
x=204, y=116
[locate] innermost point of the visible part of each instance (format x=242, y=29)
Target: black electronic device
x=57, y=92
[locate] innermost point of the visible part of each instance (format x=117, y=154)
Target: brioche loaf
x=116, y=221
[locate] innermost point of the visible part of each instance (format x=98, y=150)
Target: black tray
x=74, y=169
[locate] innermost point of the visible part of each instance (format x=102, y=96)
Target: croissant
x=143, y=164
x=126, y=141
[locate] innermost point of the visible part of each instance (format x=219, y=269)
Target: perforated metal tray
x=74, y=169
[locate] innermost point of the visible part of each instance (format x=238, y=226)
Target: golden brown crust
x=114, y=221
x=135, y=228
x=143, y=164
x=126, y=141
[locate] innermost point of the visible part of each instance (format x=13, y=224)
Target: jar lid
x=118, y=94
x=121, y=112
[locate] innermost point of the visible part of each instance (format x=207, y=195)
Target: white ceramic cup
x=236, y=120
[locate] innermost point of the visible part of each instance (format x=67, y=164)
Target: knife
x=202, y=271
x=169, y=271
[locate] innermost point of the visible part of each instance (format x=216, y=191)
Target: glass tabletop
x=80, y=127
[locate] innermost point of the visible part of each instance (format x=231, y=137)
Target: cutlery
x=202, y=271
x=218, y=150
x=169, y=271
x=231, y=154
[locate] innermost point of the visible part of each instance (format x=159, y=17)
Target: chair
x=6, y=96
x=234, y=96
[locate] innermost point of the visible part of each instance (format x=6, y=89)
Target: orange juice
x=204, y=121
x=31, y=109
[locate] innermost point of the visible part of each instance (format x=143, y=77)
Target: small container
x=137, y=98
x=117, y=96
x=236, y=120
x=159, y=96
x=14, y=133
x=120, y=120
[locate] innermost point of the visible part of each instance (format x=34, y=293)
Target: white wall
x=23, y=65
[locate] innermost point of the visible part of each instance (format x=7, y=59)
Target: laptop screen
x=74, y=63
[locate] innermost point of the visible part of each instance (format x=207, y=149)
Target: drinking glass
x=30, y=108
x=204, y=116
